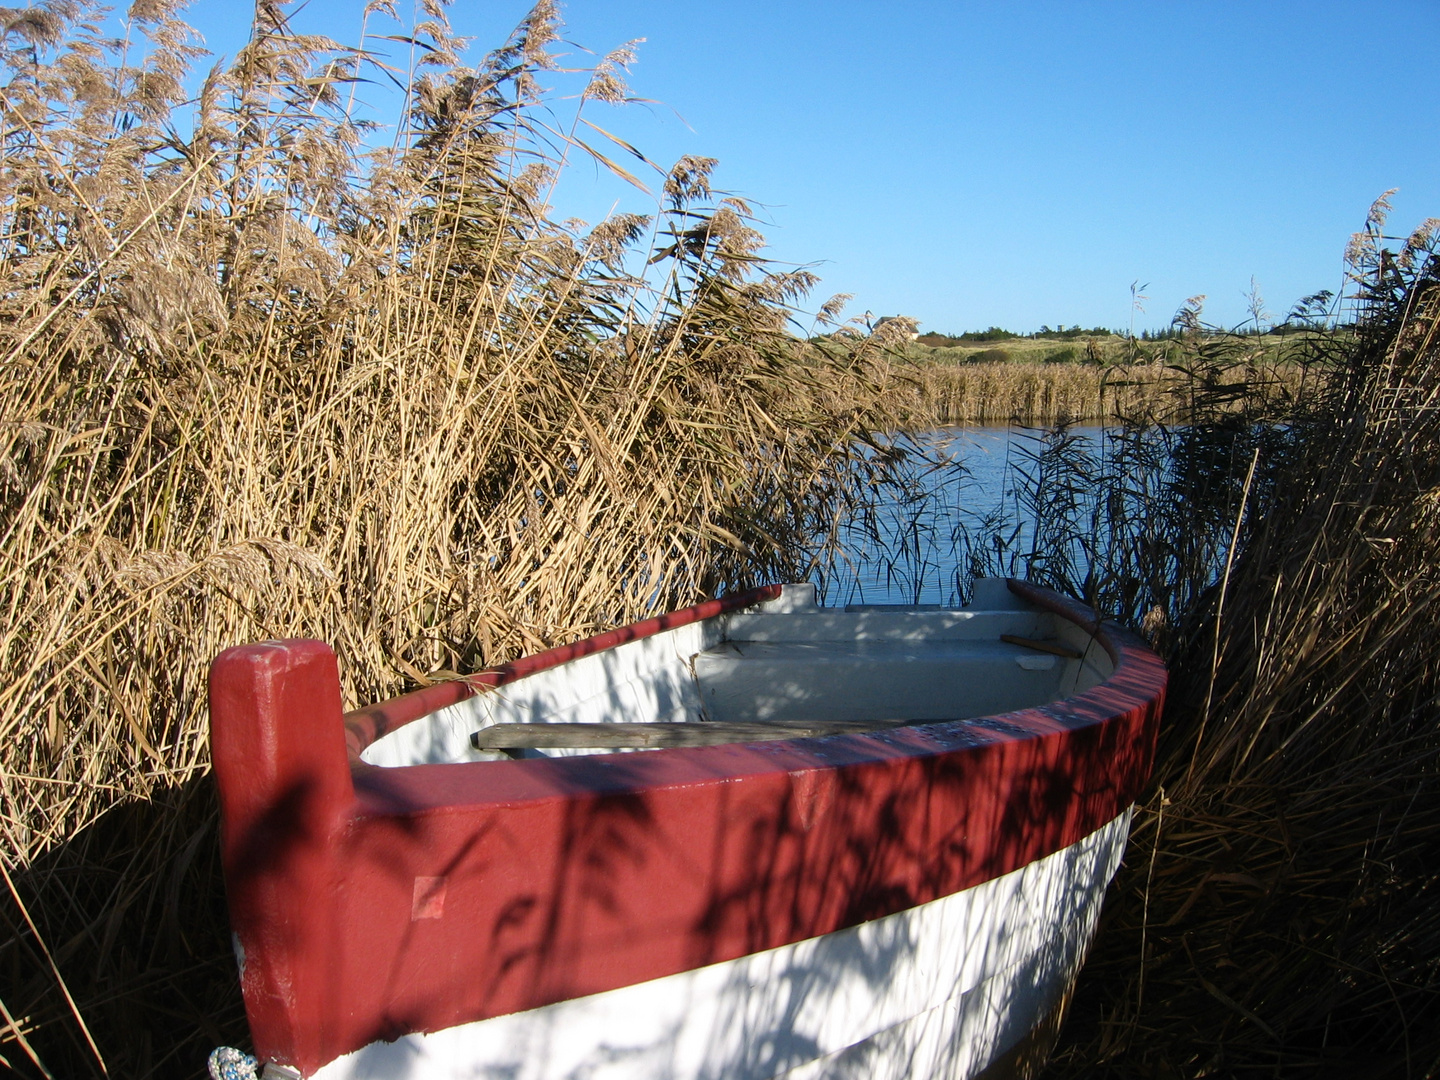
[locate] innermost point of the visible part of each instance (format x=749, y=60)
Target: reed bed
x=937, y=394
x=264, y=373
x=1277, y=913
x=996, y=393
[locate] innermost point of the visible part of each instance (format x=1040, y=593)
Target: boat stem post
x=278, y=744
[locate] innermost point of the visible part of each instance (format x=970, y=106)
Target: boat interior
x=783, y=669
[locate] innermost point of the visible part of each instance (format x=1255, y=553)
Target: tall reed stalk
x=259, y=378
x=1277, y=911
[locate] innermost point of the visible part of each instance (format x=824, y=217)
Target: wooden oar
x=1058, y=648
x=501, y=737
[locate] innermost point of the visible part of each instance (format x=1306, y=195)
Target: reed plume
x=265, y=374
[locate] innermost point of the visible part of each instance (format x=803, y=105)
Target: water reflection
x=962, y=511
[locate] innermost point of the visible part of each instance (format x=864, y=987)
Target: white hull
x=903, y=893
x=934, y=992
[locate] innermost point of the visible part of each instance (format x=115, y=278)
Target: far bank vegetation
x=997, y=377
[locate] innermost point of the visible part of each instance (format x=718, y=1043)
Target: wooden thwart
x=500, y=737
x=1059, y=648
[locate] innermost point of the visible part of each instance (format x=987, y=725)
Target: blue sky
x=1019, y=163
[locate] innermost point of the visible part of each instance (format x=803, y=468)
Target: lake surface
x=921, y=546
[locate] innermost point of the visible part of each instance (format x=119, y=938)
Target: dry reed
x=1277, y=912
x=997, y=393
x=934, y=394
x=260, y=379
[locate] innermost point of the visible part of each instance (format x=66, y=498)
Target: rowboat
x=755, y=838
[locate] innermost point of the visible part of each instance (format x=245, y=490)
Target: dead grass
x=259, y=380
x=941, y=394
x=1277, y=912
x=937, y=393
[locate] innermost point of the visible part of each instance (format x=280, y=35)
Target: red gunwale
x=371, y=902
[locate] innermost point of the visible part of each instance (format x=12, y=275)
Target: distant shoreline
x=939, y=395
x=1043, y=381
x=992, y=393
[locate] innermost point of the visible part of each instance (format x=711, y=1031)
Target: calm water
x=921, y=547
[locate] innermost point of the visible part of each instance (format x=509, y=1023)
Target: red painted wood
x=458, y=892
x=286, y=800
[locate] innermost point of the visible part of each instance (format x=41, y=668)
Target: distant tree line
x=1060, y=332
x=1070, y=333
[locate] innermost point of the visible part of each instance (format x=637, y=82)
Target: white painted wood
x=891, y=624
x=868, y=680
x=786, y=660
x=1095, y=665
x=794, y=596
x=960, y=1037
x=935, y=992
x=645, y=681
